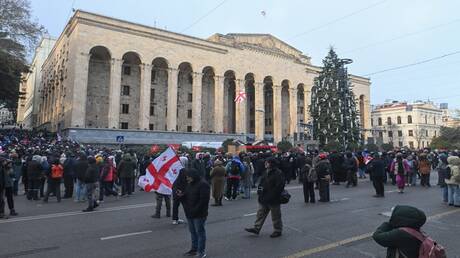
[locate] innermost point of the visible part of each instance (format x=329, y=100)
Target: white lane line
x=250, y=214
x=340, y=200
x=75, y=213
x=126, y=235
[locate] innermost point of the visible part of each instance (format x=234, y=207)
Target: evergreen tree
x=333, y=107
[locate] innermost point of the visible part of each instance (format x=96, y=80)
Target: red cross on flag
x=240, y=97
x=161, y=173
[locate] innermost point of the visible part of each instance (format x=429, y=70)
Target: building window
x=372, y=122
x=154, y=76
x=380, y=121
x=189, y=128
x=126, y=70
x=125, y=108
x=190, y=97
x=411, y=133
x=189, y=113
x=124, y=125
x=434, y=120
x=380, y=134
x=152, y=95
x=400, y=144
x=426, y=133
x=435, y=133
x=426, y=119
x=152, y=110
x=411, y=145
x=389, y=120
x=400, y=133
x=151, y=127
x=399, y=120
x=409, y=119
x=125, y=91
x=390, y=134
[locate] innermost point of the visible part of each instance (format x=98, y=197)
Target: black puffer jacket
x=80, y=167
x=197, y=194
x=376, y=168
x=34, y=169
x=389, y=235
x=92, y=174
x=271, y=186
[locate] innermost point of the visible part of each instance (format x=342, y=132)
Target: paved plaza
x=123, y=228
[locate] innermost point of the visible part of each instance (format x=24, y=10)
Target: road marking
x=75, y=213
x=340, y=200
x=333, y=245
x=249, y=214
x=126, y=235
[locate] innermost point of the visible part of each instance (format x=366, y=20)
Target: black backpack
x=448, y=173
x=235, y=168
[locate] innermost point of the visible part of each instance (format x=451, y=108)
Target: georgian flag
x=240, y=97
x=161, y=173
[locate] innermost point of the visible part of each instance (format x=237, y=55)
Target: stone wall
x=97, y=102
x=133, y=81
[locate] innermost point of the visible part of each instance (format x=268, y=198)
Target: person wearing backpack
x=234, y=170
x=309, y=177
x=443, y=170
x=54, y=181
x=453, y=181
x=402, y=236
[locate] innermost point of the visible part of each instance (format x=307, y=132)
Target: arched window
x=389, y=120
x=434, y=120
x=399, y=120
x=426, y=119
x=409, y=119
x=380, y=121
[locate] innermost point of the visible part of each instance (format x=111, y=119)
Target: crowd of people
x=40, y=163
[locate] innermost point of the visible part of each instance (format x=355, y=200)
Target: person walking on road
x=376, y=168
x=91, y=178
x=269, y=191
x=178, y=191
x=309, y=177
x=234, y=170
x=217, y=182
x=6, y=186
x=399, y=167
x=54, y=181
x=424, y=167
x=351, y=167
x=453, y=181
x=80, y=167
x=126, y=172
x=196, y=196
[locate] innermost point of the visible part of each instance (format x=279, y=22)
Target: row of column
x=79, y=101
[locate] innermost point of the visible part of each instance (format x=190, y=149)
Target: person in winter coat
x=107, y=177
x=424, y=167
x=453, y=182
x=376, y=168
x=338, y=173
x=196, y=196
x=178, y=192
x=126, y=173
x=17, y=169
x=54, y=181
x=218, y=182
x=234, y=169
x=6, y=186
x=34, y=173
x=442, y=169
x=398, y=242
x=351, y=167
x=269, y=193
x=199, y=164
x=399, y=168
x=69, y=175
x=246, y=178
x=308, y=177
x=91, y=177
x=323, y=170
x=80, y=167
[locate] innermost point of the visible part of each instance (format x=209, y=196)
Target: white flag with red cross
x=240, y=97
x=161, y=173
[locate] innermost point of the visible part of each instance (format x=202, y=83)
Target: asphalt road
x=123, y=228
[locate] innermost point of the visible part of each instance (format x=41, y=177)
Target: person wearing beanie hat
x=91, y=177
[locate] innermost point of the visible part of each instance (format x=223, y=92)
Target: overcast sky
x=376, y=34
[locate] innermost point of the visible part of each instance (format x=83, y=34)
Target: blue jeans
x=413, y=179
x=453, y=193
x=361, y=173
x=198, y=233
x=247, y=192
x=80, y=191
x=445, y=196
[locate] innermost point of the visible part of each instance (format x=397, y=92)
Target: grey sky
x=388, y=34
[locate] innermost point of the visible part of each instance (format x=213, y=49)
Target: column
x=196, y=101
x=144, y=107
x=219, y=104
x=80, y=86
x=172, y=99
x=260, y=110
x=277, y=120
x=240, y=116
x=115, y=92
x=306, y=101
x=292, y=111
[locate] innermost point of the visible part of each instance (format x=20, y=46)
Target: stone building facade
x=108, y=73
x=407, y=125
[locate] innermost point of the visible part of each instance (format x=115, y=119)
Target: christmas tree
x=333, y=107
